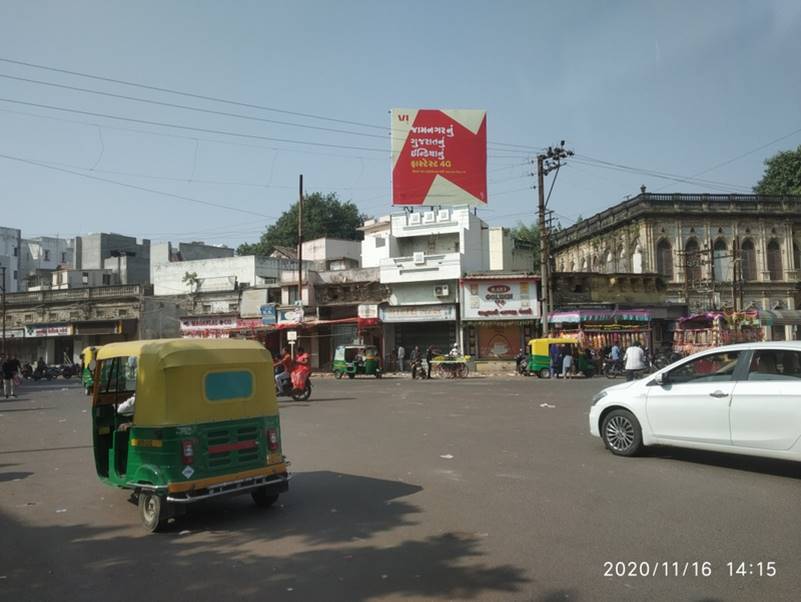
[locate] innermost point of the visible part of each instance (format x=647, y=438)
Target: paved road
x=403, y=490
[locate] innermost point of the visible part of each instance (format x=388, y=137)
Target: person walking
x=10, y=368
x=553, y=355
x=401, y=357
x=429, y=357
x=635, y=360
x=567, y=363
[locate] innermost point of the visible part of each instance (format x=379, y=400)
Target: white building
x=10, y=246
x=217, y=274
x=423, y=256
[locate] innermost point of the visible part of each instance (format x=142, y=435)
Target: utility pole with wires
x=548, y=161
x=300, y=244
x=3, y=290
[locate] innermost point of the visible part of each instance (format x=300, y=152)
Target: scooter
x=521, y=364
x=284, y=388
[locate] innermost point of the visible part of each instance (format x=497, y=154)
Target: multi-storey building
x=712, y=251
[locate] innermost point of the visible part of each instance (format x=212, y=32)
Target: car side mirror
x=661, y=379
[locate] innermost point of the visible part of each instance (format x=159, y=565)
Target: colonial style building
x=712, y=251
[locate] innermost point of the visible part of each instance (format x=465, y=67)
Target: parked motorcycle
x=27, y=371
x=48, y=373
x=613, y=368
x=284, y=388
x=420, y=369
x=68, y=370
x=521, y=364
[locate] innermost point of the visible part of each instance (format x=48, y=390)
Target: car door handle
x=719, y=394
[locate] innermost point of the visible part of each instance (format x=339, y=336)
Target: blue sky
x=670, y=87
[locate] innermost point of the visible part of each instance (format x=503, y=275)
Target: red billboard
x=439, y=157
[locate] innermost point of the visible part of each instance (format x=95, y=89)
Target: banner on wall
x=439, y=157
x=512, y=299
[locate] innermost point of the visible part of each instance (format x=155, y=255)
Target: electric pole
x=300, y=243
x=546, y=163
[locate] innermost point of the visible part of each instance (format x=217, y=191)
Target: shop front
x=51, y=342
x=221, y=327
x=420, y=325
x=599, y=329
x=499, y=315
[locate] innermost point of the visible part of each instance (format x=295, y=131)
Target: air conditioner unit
x=414, y=219
x=419, y=257
x=443, y=215
x=429, y=217
x=441, y=290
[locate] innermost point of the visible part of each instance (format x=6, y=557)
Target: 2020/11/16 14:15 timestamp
x=751, y=569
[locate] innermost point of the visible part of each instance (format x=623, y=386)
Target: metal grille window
x=692, y=260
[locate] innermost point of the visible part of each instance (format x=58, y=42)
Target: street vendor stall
x=599, y=329
x=711, y=329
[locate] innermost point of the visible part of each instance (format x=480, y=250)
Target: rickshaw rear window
x=220, y=386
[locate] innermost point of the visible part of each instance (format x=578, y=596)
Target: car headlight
x=598, y=397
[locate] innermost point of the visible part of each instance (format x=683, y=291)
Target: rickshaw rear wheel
x=351, y=375
x=338, y=374
x=544, y=373
x=378, y=374
x=152, y=511
x=263, y=498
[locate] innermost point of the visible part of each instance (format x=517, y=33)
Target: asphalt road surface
x=404, y=490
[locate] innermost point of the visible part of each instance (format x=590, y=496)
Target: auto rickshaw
x=88, y=357
x=539, y=359
x=177, y=421
x=351, y=360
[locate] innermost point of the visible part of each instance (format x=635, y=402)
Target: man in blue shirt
x=554, y=355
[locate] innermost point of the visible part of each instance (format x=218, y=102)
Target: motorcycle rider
x=301, y=370
x=521, y=361
x=282, y=377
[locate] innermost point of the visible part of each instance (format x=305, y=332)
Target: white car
x=743, y=399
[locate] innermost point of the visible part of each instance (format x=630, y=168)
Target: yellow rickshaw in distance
x=182, y=420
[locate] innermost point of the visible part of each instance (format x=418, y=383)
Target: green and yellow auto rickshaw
x=88, y=361
x=351, y=360
x=177, y=421
x=539, y=359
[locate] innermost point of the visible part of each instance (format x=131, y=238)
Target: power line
x=220, y=100
x=190, y=128
x=135, y=187
x=188, y=107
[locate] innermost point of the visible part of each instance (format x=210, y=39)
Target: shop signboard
x=439, y=157
x=190, y=325
x=15, y=333
x=418, y=313
x=268, y=313
x=49, y=330
x=513, y=299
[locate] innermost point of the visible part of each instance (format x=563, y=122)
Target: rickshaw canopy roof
x=185, y=381
x=542, y=345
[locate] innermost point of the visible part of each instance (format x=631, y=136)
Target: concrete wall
x=132, y=270
x=67, y=279
x=422, y=293
x=323, y=249
x=92, y=249
x=377, y=243
x=160, y=318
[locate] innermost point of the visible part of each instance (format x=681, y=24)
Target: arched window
x=748, y=265
x=610, y=262
x=585, y=265
x=692, y=259
x=664, y=259
x=722, y=261
x=622, y=262
x=775, y=260
x=796, y=256
x=636, y=259
x=572, y=265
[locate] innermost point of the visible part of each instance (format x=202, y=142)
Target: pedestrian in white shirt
x=635, y=361
x=401, y=357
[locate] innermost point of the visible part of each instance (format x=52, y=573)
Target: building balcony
x=421, y=267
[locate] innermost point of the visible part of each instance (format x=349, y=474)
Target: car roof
x=764, y=345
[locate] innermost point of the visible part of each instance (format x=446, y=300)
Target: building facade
x=712, y=251
x=10, y=251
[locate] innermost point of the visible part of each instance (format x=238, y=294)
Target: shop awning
x=579, y=316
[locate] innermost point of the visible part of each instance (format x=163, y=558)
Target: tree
x=322, y=216
x=531, y=235
x=782, y=174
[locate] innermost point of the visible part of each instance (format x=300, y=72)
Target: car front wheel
x=621, y=433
